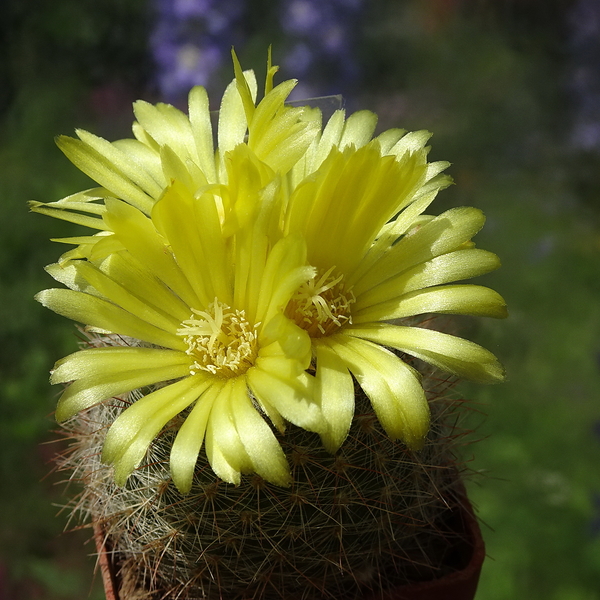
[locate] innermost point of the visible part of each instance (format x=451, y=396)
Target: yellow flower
x=261, y=276
x=200, y=321
x=189, y=274
x=359, y=205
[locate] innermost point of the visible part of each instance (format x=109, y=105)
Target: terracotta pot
x=467, y=557
x=105, y=563
x=465, y=563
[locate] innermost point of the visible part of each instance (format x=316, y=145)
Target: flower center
x=220, y=340
x=322, y=305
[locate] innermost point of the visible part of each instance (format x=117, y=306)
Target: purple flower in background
x=191, y=39
x=585, y=73
x=323, y=38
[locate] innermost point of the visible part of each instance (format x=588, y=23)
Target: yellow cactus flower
x=359, y=202
x=199, y=323
x=380, y=260
x=260, y=277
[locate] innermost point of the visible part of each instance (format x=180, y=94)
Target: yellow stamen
x=322, y=305
x=220, y=340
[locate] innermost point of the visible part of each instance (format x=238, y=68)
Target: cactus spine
x=367, y=518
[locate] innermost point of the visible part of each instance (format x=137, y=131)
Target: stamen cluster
x=220, y=340
x=322, y=305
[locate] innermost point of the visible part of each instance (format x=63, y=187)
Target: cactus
x=258, y=413
x=369, y=517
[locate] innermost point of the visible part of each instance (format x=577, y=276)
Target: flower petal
x=189, y=226
x=105, y=172
x=453, y=266
x=91, y=362
x=232, y=118
x=167, y=126
x=447, y=352
x=389, y=138
x=283, y=338
x=335, y=391
x=202, y=131
x=265, y=452
x=225, y=451
x=411, y=142
x=99, y=313
x=285, y=271
x=99, y=386
x=124, y=269
x=466, y=299
x=130, y=435
x=147, y=156
x=373, y=189
x=330, y=137
x=137, y=233
x=443, y=234
x=358, y=129
x=187, y=444
x=392, y=386
x=125, y=162
x=122, y=297
x=292, y=398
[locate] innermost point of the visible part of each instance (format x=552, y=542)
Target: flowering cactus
x=240, y=299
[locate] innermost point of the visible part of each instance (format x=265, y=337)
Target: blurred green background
x=511, y=90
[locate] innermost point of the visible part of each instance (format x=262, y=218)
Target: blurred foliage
x=489, y=79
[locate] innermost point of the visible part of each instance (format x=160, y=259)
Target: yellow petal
x=225, y=451
x=358, y=129
x=99, y=313
x=124, y=269
x=202, y=131
x=190, y=437
x=147, y=157
x=194, y=234
x=174, y=168
x=392, y=386
x=443, y=234
x=389, y=138
x=243, y=88
x=102, y=170
x=124, y=162
x=392, y=231
x=411, y=142
x=472, y=300
x=167, y=126
x=130, y=435
x=453, y=266
x=285, y=270
x=137, y=233
x=447, y=352
x=292, y=398
x=232, y=118
x=94, y=362
x=373, y=189
x=98, y=377
x=282, y=337
x=66, y=273
x=122, y=297
x=335, y=391
x=64, y=215
x=263, y=449
x=331, y=136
